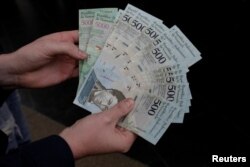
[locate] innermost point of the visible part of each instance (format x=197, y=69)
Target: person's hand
x=46, y=61
x=99, y=133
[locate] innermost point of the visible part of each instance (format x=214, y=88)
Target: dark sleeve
x=3, y=143
x=4, y=94
x=48, y=152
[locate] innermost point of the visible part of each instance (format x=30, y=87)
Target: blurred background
x=218, y=120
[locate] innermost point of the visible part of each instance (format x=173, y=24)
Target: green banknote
x=86, y=19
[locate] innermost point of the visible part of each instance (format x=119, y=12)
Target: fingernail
x=129, y=102
x=82, y=54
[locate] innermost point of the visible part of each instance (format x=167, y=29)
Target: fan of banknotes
x=132, y=54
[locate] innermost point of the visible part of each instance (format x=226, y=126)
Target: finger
x=121, y=109
x=72, y=36
x=68, y=48
x=75, y=73
x=130, y=135
x=126, y=132
x=127, y=139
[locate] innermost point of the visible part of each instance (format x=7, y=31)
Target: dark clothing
x=3, y=95
x=13, y=123
x=48, y=152
x=3, y=143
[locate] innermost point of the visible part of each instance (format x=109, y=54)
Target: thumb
x=63, y=48
x=121, y=109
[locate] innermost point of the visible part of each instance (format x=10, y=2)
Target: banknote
x=101, y=28
x=133, y=54
x=184, y=46
x=133, y=21
x=150, y=117
x=101, y=93
x=86, y=19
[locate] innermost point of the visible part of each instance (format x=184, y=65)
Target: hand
x=47, y=61
x=99, y=133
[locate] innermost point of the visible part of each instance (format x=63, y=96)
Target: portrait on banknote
x=104, y=98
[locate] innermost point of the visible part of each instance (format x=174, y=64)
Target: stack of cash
x=132, y=54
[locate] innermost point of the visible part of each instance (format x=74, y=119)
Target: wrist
x=73, y=143
x=8, y=74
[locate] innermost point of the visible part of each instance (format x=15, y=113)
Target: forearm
x=8, y=76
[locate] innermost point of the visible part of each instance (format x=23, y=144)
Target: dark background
x=218, y=120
